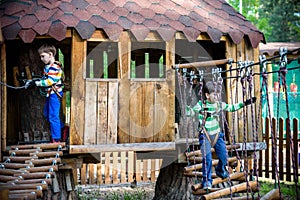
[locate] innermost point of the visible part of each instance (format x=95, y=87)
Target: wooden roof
x=30, y=18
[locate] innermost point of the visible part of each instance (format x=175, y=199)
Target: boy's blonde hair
x=46, y=48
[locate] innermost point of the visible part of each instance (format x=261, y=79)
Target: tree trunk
x=172, y=184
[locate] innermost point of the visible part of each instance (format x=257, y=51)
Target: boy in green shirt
x=210, y=131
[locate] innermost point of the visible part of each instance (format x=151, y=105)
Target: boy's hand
x=249, y=101
x=29, y=83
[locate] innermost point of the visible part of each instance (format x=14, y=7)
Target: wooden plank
x=157, y=146
x=102, y=113
x=83, y=174
x=69, y=186
x=130, y=166
x=267, y=151
x=274, y=147
x=138, y=171
x=98, y=36
x=240, y=131
x=123, y=167
x=75, y=176
x=124, y=46
x=78, y=89
x=296, y=148
x=90, y=116
x=115, y=168
x=153, y=169
x=145, y=170
x=162, y=122
x=280, y=148
x=3, y=101
x=288, y=150
x=112, y=121
x=91, y=173
x=107, y=168
x=99, y=173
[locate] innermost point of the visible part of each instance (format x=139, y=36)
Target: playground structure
x=122, y=88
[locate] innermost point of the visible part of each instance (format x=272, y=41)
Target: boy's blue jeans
x=51, y=112
x=221, y=151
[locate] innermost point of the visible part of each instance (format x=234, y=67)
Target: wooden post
x=296, y=147
x=281, y=131
x=3, y=101
x=288, y=150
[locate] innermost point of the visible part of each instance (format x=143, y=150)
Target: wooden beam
x=98, y=36
x=202, y=64
x=155, y=146
x=78, y=55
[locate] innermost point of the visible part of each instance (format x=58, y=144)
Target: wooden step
x=38, y=193
x=36, y=175
x=23, y=152
x=47, y=154
x=40, y=146
x=29, y=181
x=24, y=186
x=19, y=159
x=16, y=165
x=198, y=152
x=4, y=179
x=199, y=166
x=45, y=161
x=11, y=171
x=51, y=168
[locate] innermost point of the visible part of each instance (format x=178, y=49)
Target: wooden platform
x=31, y=169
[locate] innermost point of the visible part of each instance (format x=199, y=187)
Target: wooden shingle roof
x=30, y=18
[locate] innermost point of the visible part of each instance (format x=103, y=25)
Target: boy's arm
x=235, y=107
x=190, y=111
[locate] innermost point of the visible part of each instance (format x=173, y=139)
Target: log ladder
x=237, y=180
x=29, y=170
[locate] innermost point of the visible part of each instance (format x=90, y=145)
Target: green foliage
x=287, y=191
x=277, y=19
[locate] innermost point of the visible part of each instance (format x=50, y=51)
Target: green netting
x=293, y=97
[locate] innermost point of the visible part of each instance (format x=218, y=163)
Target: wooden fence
x=118, y=167
x=282, y=150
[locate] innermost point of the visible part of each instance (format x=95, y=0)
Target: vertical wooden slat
x=280, y=148
x=107, y=179
x=91, y=173
x=3, y=100
x=123, y=167
x=148, y=117
x=240, y=132
x=99, y=173
x=153, y=169
x=130, y=166
x=115, y=168
x=267, y=151
x=83, y=174
x=145, y=170
x=102, y=113
x=296, y=147
x=112, y=113
x=90, y=118
x=169, y=129
x=274, y=148
x=231, y=50
x=288, y=150
x=75, y=176
x=138, y=171
x=124, y=46
x=78, y=55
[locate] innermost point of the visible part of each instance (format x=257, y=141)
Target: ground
x=142, y=191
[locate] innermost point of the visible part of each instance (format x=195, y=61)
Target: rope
x=264, y=85
x=12, y=87
x=283, y=70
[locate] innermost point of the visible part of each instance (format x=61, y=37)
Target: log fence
x=284, y=148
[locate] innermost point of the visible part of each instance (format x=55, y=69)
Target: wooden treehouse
x=121, y=88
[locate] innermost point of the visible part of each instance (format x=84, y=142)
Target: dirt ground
x=143, y=191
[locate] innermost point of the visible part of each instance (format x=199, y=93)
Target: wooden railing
x=283, y=148
x=118, y=167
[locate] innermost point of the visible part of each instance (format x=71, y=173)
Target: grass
x=288, y=189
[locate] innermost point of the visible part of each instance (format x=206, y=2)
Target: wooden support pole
x=210, y=63
x=273, y=194
x=47, y=154
x=233, y=189
x=40, y=146
x=199, y=166
x=38, y=193
x=216, y=181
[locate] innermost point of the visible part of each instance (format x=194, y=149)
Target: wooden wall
x=243, y=52
x=118, y=111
